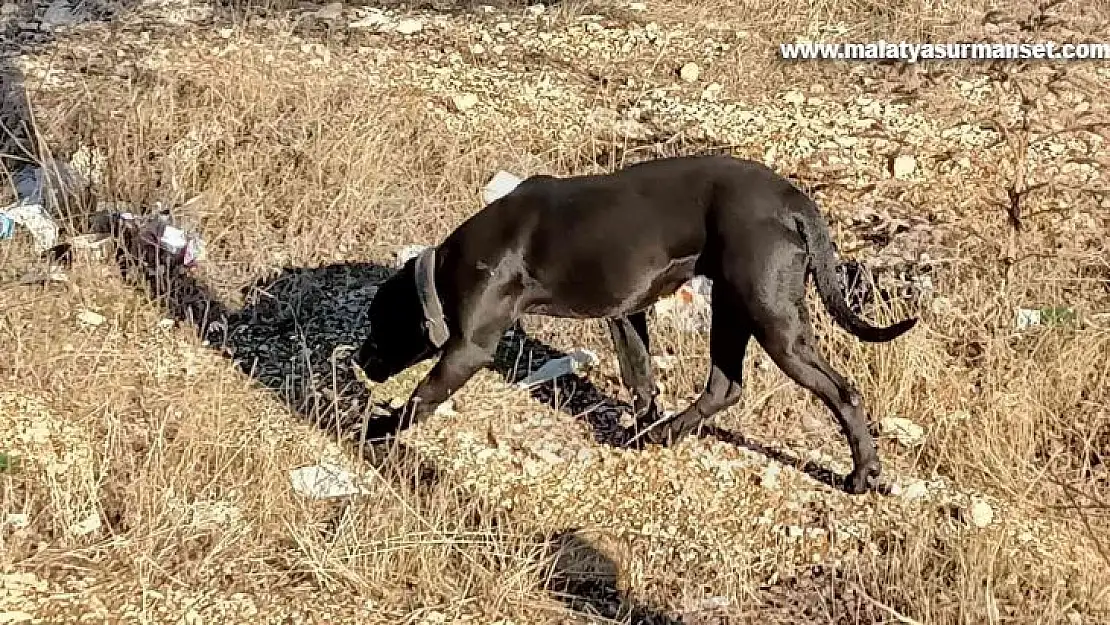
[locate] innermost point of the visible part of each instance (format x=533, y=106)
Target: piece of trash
x=90, y=318
x=91, y=247
x=1047, y=316
x=157, y=230
x=324, y=481
x=688, y=308
x=906, y=432
x=499, y=186
x=573, y=362
x=18, y=520
x=86, y=526
x=33, y=217
x=407, y=253
x=7, y=227
x=1027, y=318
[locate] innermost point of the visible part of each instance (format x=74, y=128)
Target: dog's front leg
x=460, y=361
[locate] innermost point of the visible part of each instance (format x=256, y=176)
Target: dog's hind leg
x=630, y=339
x=782, y=327
x=728, y=343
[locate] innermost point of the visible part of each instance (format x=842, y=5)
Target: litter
x=573, y=362
x=33, y=217
x=1049, y=316
x=18, y=520
x=324, y=481
x=158, y=231
x=499, y=186
x=688, y=308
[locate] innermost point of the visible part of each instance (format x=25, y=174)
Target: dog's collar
x=434, y=321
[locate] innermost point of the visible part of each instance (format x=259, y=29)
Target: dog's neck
x=425, y=270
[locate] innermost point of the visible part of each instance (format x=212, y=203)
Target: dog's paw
x=863, y=478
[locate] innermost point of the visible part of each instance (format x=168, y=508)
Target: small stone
x=478, y=49
x=225, y=33
x=904, y=166
x=906, y=432
x=410, y=26
x=795, y=97
x=690, y=72
x=464, y=101
x=1074, y=618
x=90, y=318
x=504, y=27
x=980, y=514
x=9, y=8
x=637, y=6
x=536, y=9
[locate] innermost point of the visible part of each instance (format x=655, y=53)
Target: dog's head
x=401, y=333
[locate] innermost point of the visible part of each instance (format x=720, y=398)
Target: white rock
x=409, y=26
x=637, y=6
x=86, y=526
x=464, y=101
x=690, y=72
x=90, y=318
x=373, y=19
x=904, y=166
x=332, y=11
x=770, y=477
x=536, y=9
x=915, y=490
x=980, y=514
x=904, y=431
x=8, y=8
x=795, y=97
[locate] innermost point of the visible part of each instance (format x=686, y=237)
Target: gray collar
x=434, y=321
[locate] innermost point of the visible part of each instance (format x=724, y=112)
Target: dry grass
x=183, y=453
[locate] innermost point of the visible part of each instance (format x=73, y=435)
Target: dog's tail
x=822, y=264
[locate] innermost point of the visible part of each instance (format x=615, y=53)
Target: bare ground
x=146, y=458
